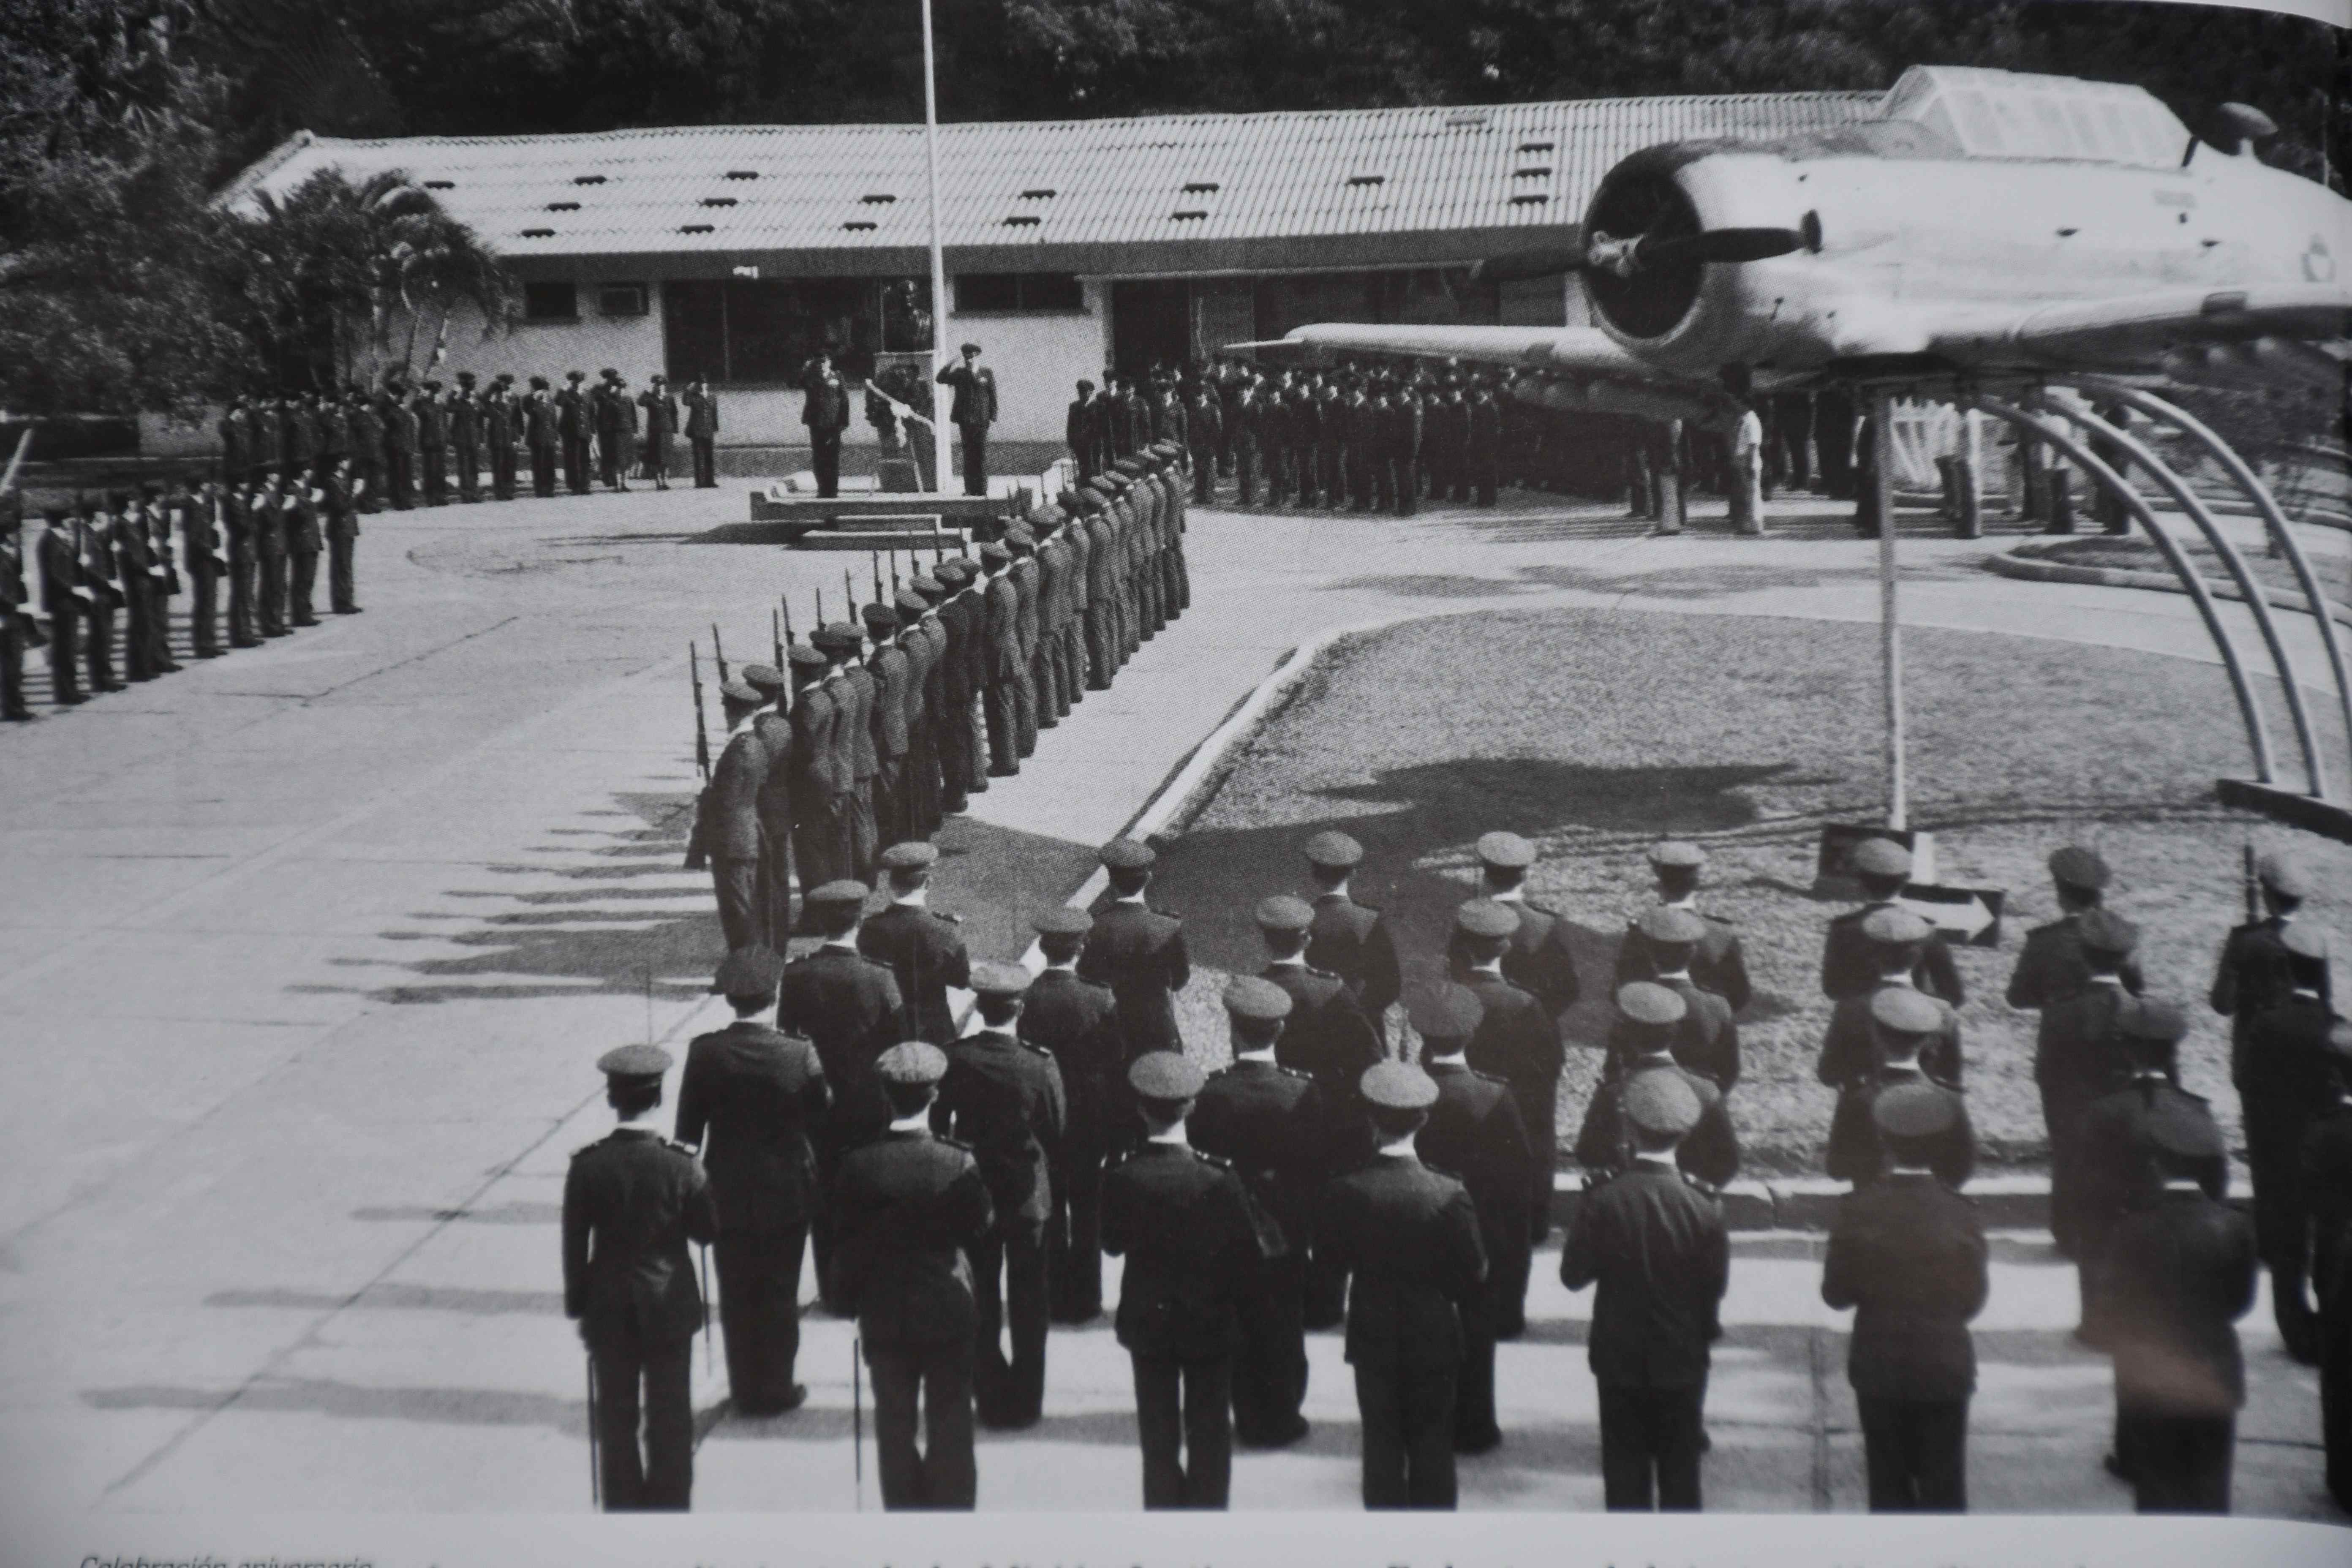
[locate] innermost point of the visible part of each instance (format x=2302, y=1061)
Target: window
x=621, y=299
x=763, y=331
x=551, y=301
x=1018, y=293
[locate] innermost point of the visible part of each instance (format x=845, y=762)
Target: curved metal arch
x=2249, y=709
x=2290, y=679
x=2265, y=505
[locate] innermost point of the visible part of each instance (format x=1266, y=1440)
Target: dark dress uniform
x=499, y=419
x=972, y=410
x=134, y=564
x=1848, y=968
x=1656, y=1247
x=573, y=426
x=1181, y=1221
x=1908, y=1255
x=1519, y=1041
x=727, y=836
x=1353, y=942
x=1138, y=953
x=859, y=698
x=1604, y=1141
x=2179, y=1274
x=1486, y=446
x=237, y=525
x=544, y=434
x=616, y=422
x=109, y=591
x=772, y=899
x=1271, y=1124
x=2251, y=978
x=465, y=443
x=272, y=513
x=848, y=1007
x=1474, y=1132
x=16, y=621
x=909, y=1206
x=1538, y=959
x=2285, y=1077
x=1326, y=1036
x=2327, y=1189
x=750, y=1098
x=2076, y=1059
x=305, y=541
x=66, y=595
x=1857, y=1155
x=208, y=547
x=660, y=423
x=2050, y=968
x=816, y=793
x=1076, y=1022
x=2115, y=1174
x=1849, y=1051
x=1718, y=964
x=1408, y=1236
x=432, y=416
x=1246, y=432
x=343, y=545
x=924, y=949
x=702, y=436
x=1082, y=430
x=1006, y=699
x=631, y=1202
x=1005, y=1100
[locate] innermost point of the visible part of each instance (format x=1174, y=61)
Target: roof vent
x=1534, y=172
x=1529, y=199
x=877, y=198
x=440, y=185
x=1043, y=193
x=718, y=201
x=1201, y=187
x=587, y=179
x=563, y=207
x=858, y=223
x=1189, y=212
x=1367, y=179
x=539, y=234
x=1535, y=146
x=694, y=229
x=742, y=174
x=1022, y=220
x=1464, y=118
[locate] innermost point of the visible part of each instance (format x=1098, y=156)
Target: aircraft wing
x=2139, y=329
x=1535, y=348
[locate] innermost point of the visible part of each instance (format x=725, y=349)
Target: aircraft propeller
x=1624, y=258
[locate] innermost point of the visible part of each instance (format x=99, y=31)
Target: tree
x=108, y=291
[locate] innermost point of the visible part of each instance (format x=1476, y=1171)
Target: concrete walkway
x=309, y=950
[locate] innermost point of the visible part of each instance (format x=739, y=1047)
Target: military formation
x=889, y=720
x=963, y=1181
x=1383, y=436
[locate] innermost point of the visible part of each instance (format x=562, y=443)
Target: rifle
x=2253, y=881
x=719, y=653
x=820, y=609
x=595, y=1470
x=894, y=575
x=857, y=1421
x=874, y=559
x=776, y=640
x=787, y=606
x=705, y=1250
x=25, y=444
x=701, y=726
x=848, y=596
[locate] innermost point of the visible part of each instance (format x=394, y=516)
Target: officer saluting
x=1656, y=1247
x=910, y=1205
x=1138, y=952
x=1908, y=1255
x=750, y=1099
x=1410, y=1237
x=631, y=1202
x=1270, y=1122
x=1183, y=1222
x=1474, y=1131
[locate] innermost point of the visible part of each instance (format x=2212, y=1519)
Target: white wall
x=1038, y=361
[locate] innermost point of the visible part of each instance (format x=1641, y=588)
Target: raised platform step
x=871, y=540
x=836, y=511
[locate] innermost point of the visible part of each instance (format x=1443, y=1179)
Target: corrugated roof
x=738, y=189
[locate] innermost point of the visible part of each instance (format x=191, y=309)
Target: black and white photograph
x=772, y=760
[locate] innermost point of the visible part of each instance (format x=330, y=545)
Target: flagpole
x=938, y=259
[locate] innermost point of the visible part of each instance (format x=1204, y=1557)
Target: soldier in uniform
x=1538, y=959
x=1474, y=1132
x=854, y=761
x=1004, y=697
x=922, y=947
x=268, y=516
x=433, y=443
x=1024, y=575
x=1245, y=432
x=1403, y=433
x=771, y=727
x=616, y=425
x=1076, y=1022
x=924, y=641
x=347, y=494
x=727, y=825
x=2179, y=1273
x=1882, y=867
x=1655, y=1247
x=972, y=410
x=1707, y=1041
x=1050, y=673
x=1486, y=443
x=1650, y=1018
x=910, y=1205
x=702, y=432
x=1103, y=639
x=236, y=429
x=1908, y=1255
x=2328, y=1190
x=16, y=624
x=2077, y=1058
x=543, y=435
x=1518, y=1040
x=239, y=526
x=1271, y=1124
x=631, y=1202
x=1204, y=429
x=2051, y=967
x=1889, y=941
x=958, y=618
x=661, y=423
x=748, y=1101
x=573, y=426
x=2252, y=975
x=1082, y=430
x=1409, y=1235
x=2283, y=1076
x=1327, y=1037
x=100, y=573
x=1349, y=939
x=1719, y=965
x=305, y=540
x=134, y=568
x=848, y=1007
x=1181, y=1219
x=815, y=796
x=1902, y=1022
x=1138, y=952
x=1005, y=1100
x=66, y=596
x=891, y=671
x=197, y=519
x=466, y=438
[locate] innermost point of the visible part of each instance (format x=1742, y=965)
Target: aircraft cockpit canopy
x=2009, y=114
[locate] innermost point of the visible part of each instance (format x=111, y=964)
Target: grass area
x=1593, y=732
x=2135, y=555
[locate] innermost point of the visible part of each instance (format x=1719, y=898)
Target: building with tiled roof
x=735, y=250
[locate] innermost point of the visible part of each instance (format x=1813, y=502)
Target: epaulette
x=1219, y=1161
x=1033, y=1046
x=1169, y=914
x=686, y=1149
x=585, y=1147
x=952, y=1142
x=1323, y=973
x=950, y=918
x=1440, y=1169
x=1490, y=1077
x=1703, y=1188
x=1120, y=1156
